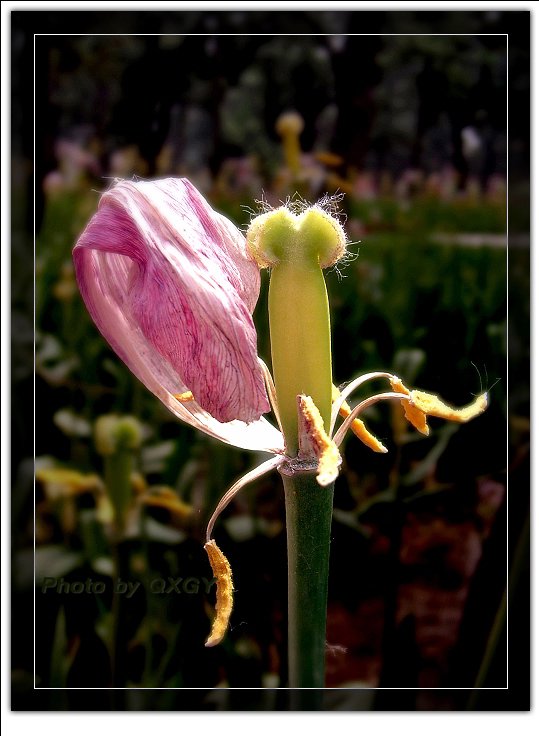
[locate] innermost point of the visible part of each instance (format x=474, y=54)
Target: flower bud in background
x=116, y=439
x=113, y=434
x=289, y=126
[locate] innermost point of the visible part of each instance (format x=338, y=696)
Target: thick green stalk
x=116, y=439
x=118, y=469
x=308, y=528
x=300, y=342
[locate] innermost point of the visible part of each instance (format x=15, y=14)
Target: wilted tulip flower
x=172, y=285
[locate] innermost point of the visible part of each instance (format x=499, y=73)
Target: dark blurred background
x=409, y=124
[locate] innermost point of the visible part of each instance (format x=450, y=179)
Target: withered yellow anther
x=415, y=416
x=224, y=601
x=185, y=397
x=358, y=427
x=433, y=406
x=422, y=404
x=314, y=441
x=166, y=498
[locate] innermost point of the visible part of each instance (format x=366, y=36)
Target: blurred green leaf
x=72, y=424
x=55, y=561
x=157, y=532
x=154, y=457
x=62, y=656
x=96, y=544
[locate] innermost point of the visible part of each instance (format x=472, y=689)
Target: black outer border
x=517, y=24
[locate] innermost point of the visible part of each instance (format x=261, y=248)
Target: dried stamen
x=358, y=427
x=224, y=601
x=185, y=397
x=315, y=443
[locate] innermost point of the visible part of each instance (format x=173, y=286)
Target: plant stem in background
x=117, y=649
x=118, y=468
x=117, y=439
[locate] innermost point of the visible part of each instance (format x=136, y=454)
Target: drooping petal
x=259, y=435
x=169, y=284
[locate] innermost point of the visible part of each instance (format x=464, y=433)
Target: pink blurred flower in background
x=75, y=161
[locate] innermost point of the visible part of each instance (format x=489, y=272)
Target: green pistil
x=297, y=247
x=300, y=343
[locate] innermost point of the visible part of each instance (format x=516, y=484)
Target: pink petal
x=169, y=284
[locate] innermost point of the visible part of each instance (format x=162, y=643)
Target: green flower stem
x=300, y=341
x=308, y=527
x=116, y=439
x=297, y=247
x=118, y=469
x=117, y=650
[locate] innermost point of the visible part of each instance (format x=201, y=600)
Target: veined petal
x=170, y=286
x=258, y=436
